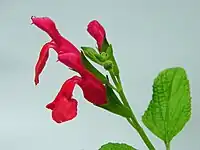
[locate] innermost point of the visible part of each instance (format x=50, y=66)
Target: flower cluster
x=64, y=106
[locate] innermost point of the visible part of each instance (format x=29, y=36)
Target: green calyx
x=108, y=65
x=114, y=105
x=104, y=58
x=111, y=58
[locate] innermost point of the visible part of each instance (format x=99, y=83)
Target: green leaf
x=170, y=107
x=92, y=69
x=114, y=105
x=93, y=55
x=116, y=146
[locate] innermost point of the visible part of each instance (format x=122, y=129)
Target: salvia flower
x=97, y=31
x=64, y=107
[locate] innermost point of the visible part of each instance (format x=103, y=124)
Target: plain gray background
x=147, y=35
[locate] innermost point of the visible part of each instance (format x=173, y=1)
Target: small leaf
x=114, y=105
x=170, y=107
x=92, y=55
x=92, y=69
x=116, y=146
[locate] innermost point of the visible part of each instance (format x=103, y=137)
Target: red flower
x=97, y=31
x=93, y=90
x=64, y=107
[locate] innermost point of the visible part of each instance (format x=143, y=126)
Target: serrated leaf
x=116, y=146
x=92, y=69
x=170, y=107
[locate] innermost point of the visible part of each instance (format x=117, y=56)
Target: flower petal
x=47, y=25
x=43, y=56
x=73, y=61
x=64, y=110
x=93, y=90
x=66, y=90
x=97, y=31
x=64, y=106
x=44, y=23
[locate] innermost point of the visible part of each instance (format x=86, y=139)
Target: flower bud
x=108, y=65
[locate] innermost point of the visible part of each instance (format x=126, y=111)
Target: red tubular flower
x=93, y=90
x=64, y=107
x=97, y=31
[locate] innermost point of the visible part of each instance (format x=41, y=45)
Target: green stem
x=167, y=145
x=135, y=124
x=114, y=88
x=125, y=101
x=142, y=135
x=114, y=80
x=132, y=121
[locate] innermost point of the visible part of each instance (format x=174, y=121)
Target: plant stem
x=114, y=88
x=135, y=124
x=125, y=101
x=133, y=121
x=143, y=136
x=167, y=145
x=114, y=80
